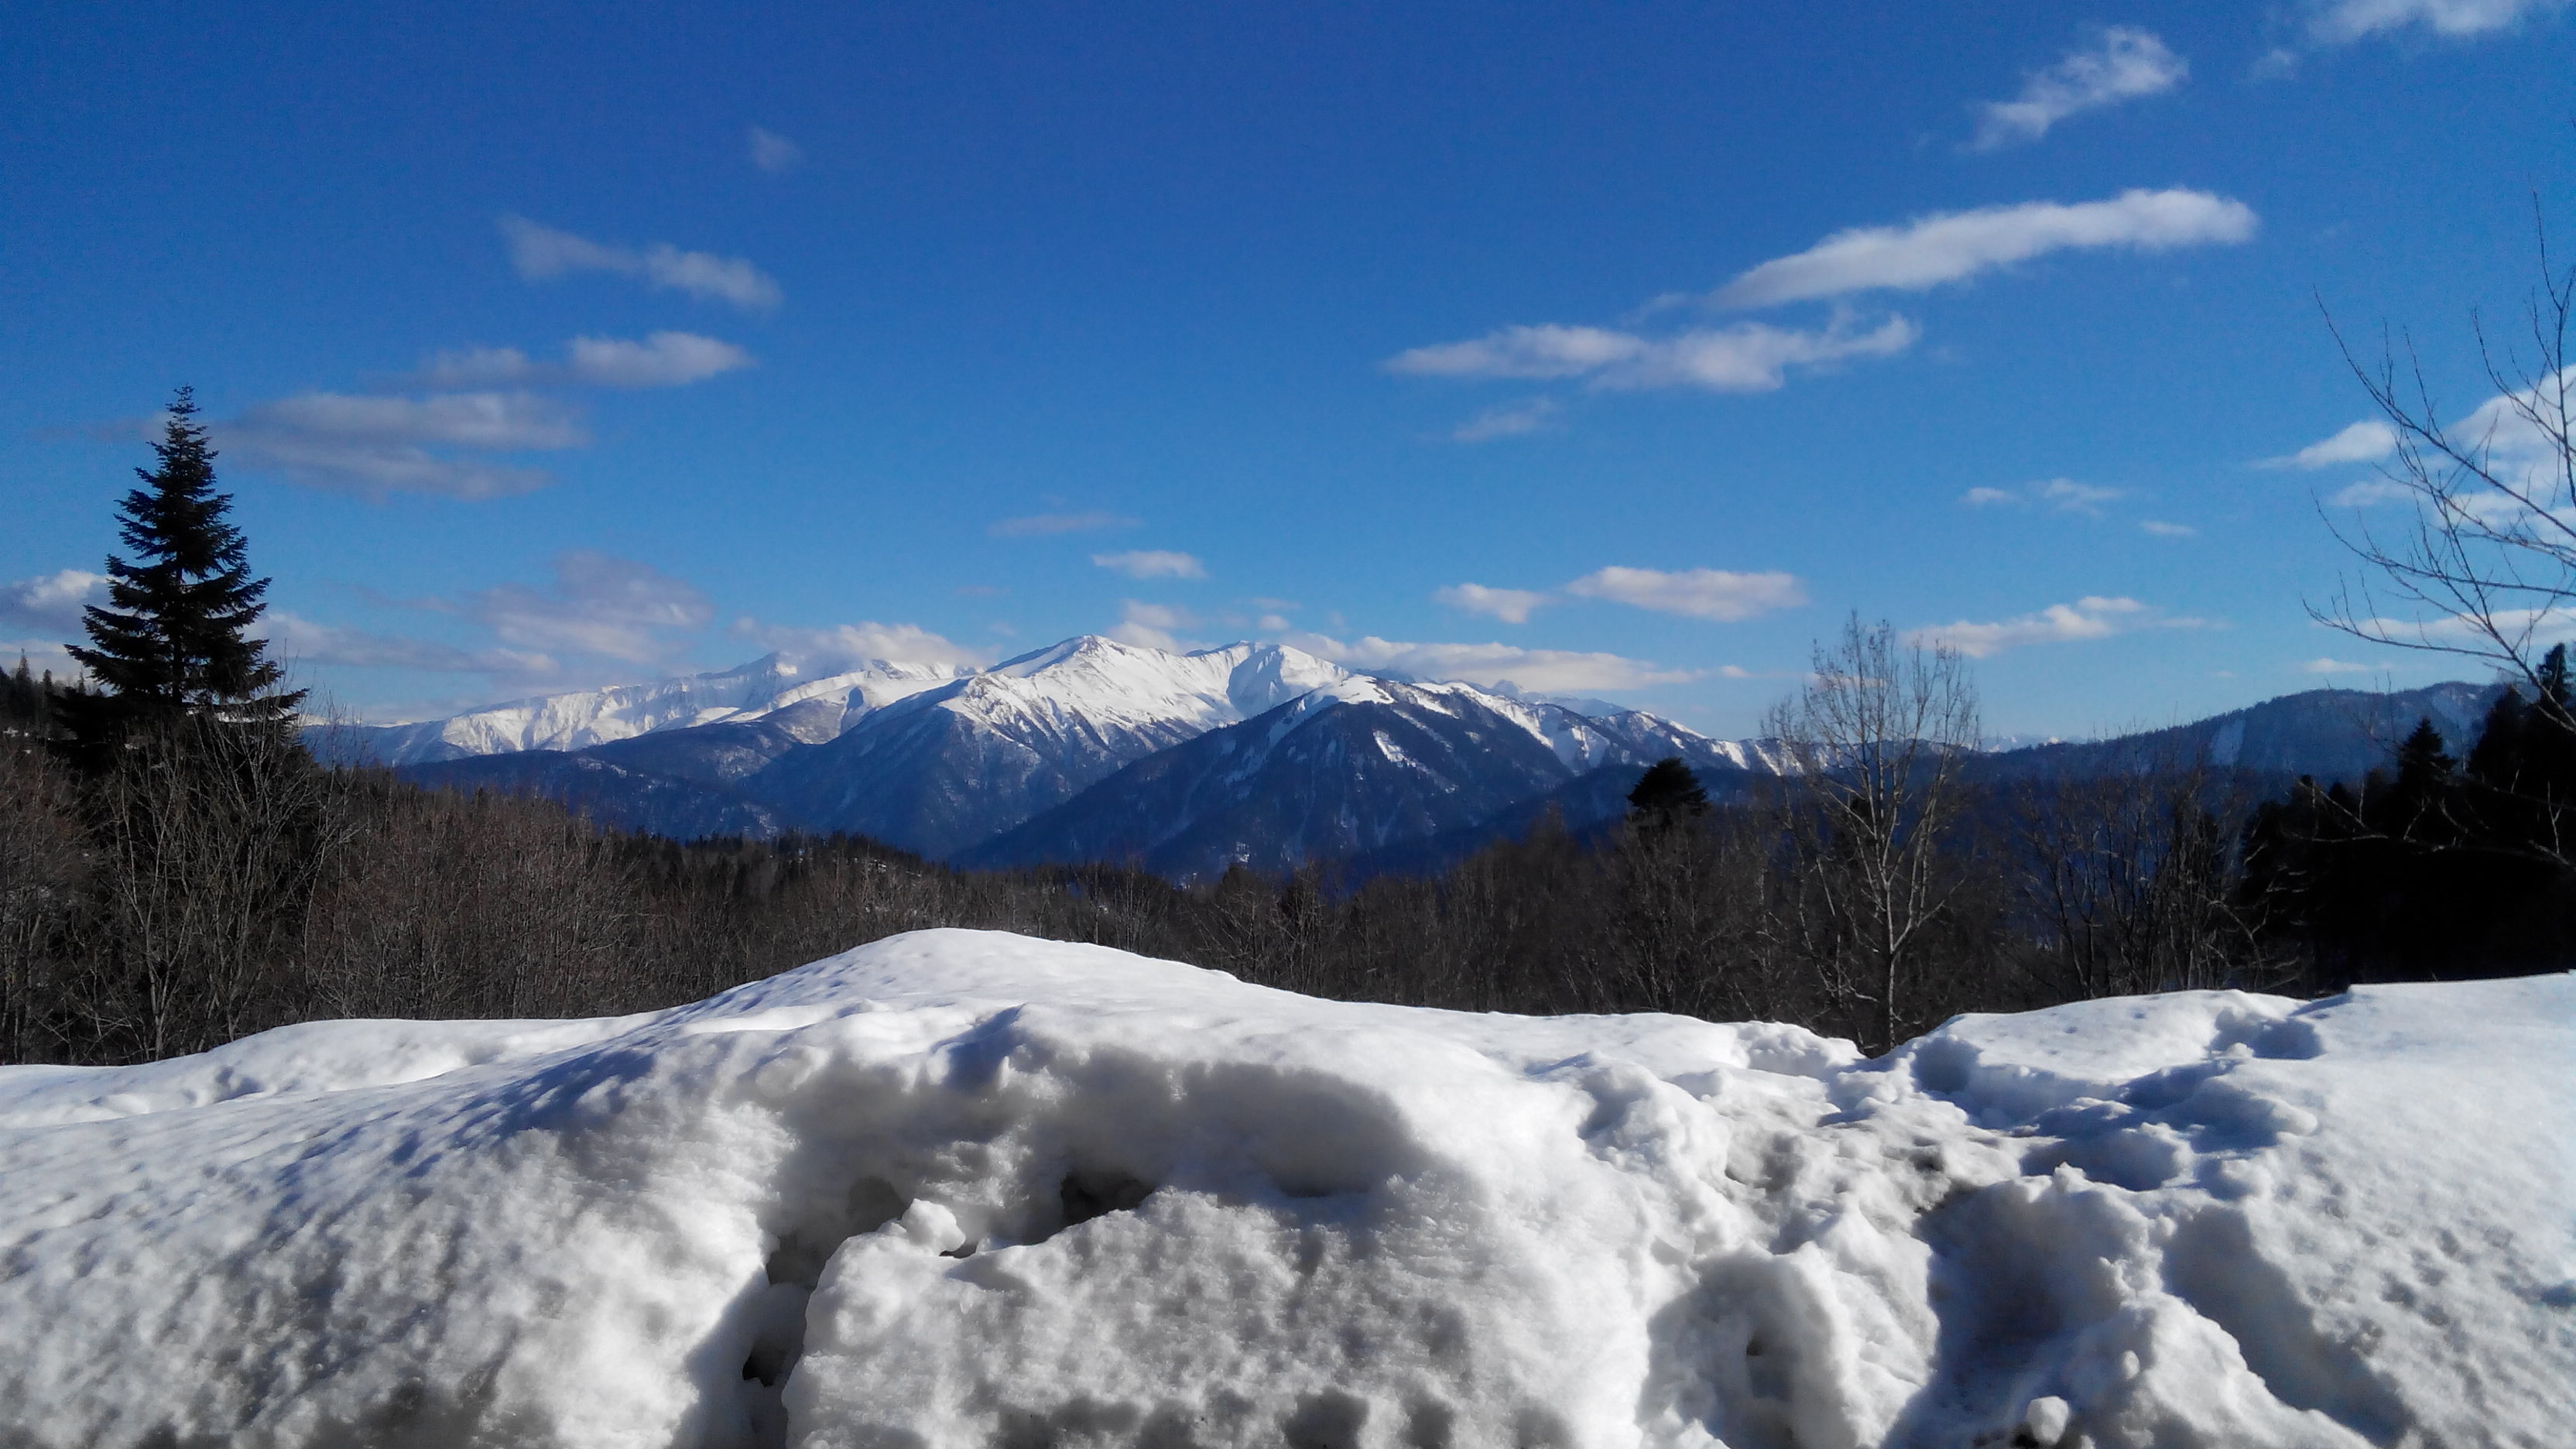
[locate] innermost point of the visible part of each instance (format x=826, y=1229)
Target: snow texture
x=962, y=1188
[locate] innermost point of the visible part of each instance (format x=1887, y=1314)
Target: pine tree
x=2418, y=806
x=1667, y=792
x=172, y=643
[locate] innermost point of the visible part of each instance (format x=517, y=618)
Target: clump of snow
x=963, y=1188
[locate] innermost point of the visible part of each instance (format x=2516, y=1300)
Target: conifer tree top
x=173, y=638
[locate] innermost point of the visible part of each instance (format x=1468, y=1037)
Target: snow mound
x=962, y=1188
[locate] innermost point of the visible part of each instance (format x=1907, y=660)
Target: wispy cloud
x=1150, y=626
x=541, y=252
x=2500, y=432
x=1551, y=671
x=1512, y=606
x=2363, y=442
x=597, y=604
x=375, y=446
x=2340, y=22
x=1510, y=420
x=1745, y=357
x=1954, y=246
x=298, y=640
x=1696, y=593
x=51, y=604
x=2091, y=617
x=2129, y=64
x=2327, y=665
x=772, y=152
x=2065, y=495
x=2162, y=529
x=662, y=359
x=842, y=647
x=1151, y=563
x=1037, y=525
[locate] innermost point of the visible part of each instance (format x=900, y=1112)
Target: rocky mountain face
x=1190, y=763
x=1358, y=767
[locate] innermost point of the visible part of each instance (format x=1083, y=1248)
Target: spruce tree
x=1667, y=792
x=172, y=644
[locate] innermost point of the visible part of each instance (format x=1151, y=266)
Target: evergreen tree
x=172, y=643
x=2495, y=761
x=1667, y=792
x=2418, y=805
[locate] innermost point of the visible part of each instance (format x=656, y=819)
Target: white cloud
x=1041, y=524
x=2371, y=492
x=1512, y=606
x=2092, y=617
x=478, y=367
x=51, y=603
x=1548, y=671
x=2510, y=440
x=493, y=421
x=2499, y=433
x=1546, y=350
x=772, y=152
x=843, y=647
x=1510, y=420
x=597, y=604
x=1150, y=626
x=1746, y=357
x=2130, y=63
x=2340, y=22
x=2336, y=666
x=2363, y=442
x=1953, y=246
x=1151, y=563
x=2069, y=496
x=1697, y=593
x=2530, y=628
x=2065, y=495
x=541, y=253
x=373, y=446
x=299, y=640
x=663, y=359
x=2162, y=529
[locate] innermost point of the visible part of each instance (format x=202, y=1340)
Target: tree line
x=177, y=871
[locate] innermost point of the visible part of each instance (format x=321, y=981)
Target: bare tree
x=2131, y=875
x=1874, y=744
x=2486, y=568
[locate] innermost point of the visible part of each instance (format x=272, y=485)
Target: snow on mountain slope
x=1351, y=769
x=959, y=763
x=962, y=1188
x=591, y=717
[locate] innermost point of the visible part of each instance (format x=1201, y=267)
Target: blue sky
x=1612, y=350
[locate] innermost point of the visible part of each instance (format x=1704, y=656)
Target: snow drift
x=960, y=1188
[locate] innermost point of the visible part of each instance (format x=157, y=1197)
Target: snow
x=965, y=1188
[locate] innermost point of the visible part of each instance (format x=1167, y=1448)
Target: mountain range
x=1188, y=763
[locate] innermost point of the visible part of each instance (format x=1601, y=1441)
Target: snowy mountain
x=1092, y=749
x=767, y=686
x=966, y=1188
x=962, y=762
x=928, y=759
x=1352, y=769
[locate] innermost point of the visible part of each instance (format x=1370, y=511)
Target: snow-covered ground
x=961, y=1188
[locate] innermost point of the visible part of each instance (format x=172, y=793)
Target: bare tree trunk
x=1874, y=745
